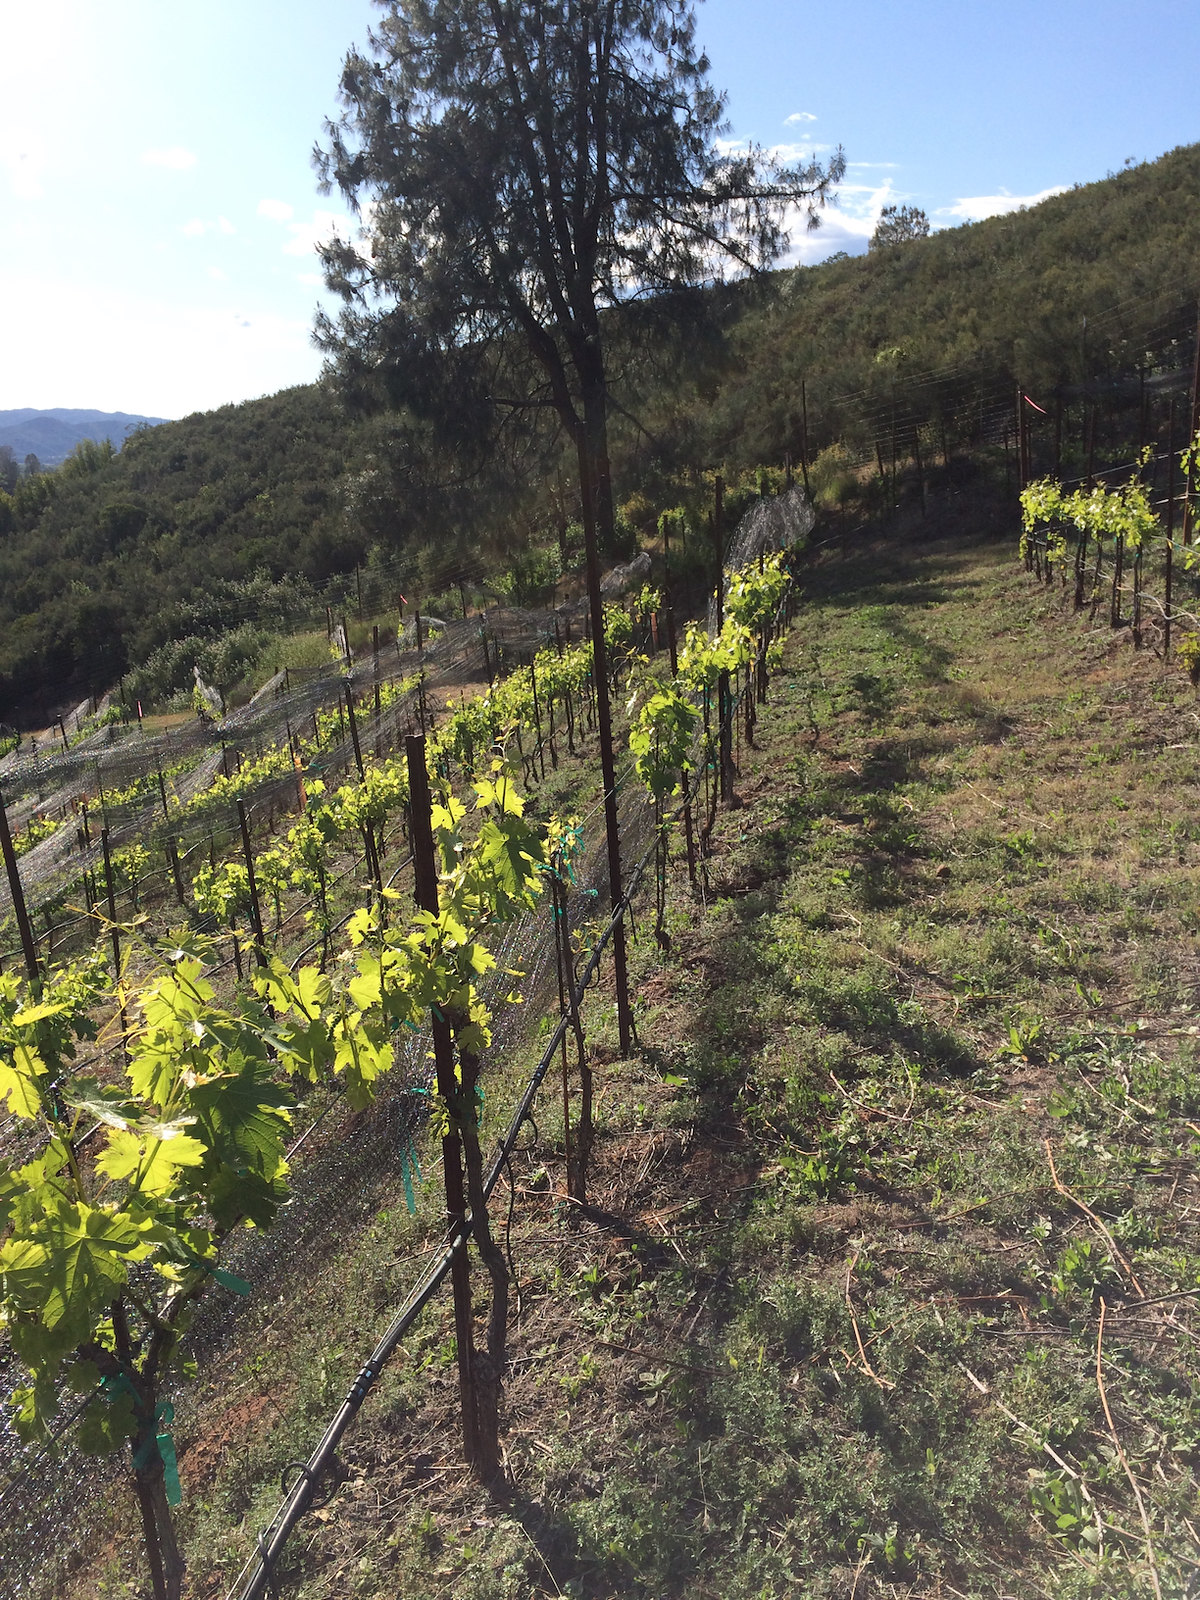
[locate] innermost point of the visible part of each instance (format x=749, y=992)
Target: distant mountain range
x=52, y=435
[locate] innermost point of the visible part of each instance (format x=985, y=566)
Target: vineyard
x=795, y=1062
x=133, y=1174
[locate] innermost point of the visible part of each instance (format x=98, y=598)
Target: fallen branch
x=1115, y=1249
x=883, y=1383
x=874, y=1111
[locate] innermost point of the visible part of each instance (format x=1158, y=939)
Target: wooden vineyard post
x=577, y=1152
x=1118, y=575
x=28, y=947
x=260, y=943
x=425, y=893
x=689, y=830
x=667, y=604
x=1081, y=549
x=375, y=677
x=540, y=752
x=177, y=875
x=557, y=914
x=358, y=760
x=608, y=766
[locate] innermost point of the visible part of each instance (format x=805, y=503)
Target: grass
x=915, y=1104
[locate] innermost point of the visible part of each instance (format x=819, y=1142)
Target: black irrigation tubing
x=300, y=1497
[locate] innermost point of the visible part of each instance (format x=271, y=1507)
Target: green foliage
x=531, y=577
x=39, y=828
x=897, y=225
x=661, y=735
x=222, y=892
x=88, y=457
x=190, y=1143
x=205, y=540
x=1099, y=513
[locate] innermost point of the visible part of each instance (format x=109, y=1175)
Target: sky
x=158, y=205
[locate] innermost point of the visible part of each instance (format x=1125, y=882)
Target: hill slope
x=1088, y=301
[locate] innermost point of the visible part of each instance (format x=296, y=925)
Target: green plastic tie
x=166, y=1449
x=227, y=1280
x=119, y=1384
x=164, y=1413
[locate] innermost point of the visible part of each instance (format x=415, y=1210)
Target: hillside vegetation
x=102, y=561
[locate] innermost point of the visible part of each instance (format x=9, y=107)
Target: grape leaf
x=150, y=1157
x=66, y=1270
x=19, y=1082
x=244, y=1118
x=100, y=1100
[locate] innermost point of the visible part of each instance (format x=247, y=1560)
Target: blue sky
x=158, y=206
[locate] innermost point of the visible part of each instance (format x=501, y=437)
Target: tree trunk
x=598, y=526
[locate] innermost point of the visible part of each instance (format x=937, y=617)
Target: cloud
x=976, y=207
x=793, y=155
x=174, y=157
x=788, y=155
x=276, y=210
x=847, y=226
x=218, y=275
x=799, y=116
x=310, y=280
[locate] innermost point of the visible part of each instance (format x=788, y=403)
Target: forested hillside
x=201, y=526
x=1089, y=287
